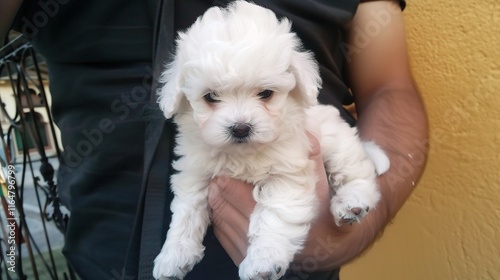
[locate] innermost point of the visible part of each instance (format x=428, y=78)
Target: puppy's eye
x=211, y=97
x=266, y=94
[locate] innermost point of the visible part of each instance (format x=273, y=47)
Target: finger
x=315, y=146
x=230, y=224
x=237, y=193
x=231, y=241
x=225, y=215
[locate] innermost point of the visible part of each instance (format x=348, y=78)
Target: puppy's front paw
x=267, y=261
x=262, y=269
x=353, y=200
x=174, y=263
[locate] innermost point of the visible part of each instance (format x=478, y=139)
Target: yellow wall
x=450, y=228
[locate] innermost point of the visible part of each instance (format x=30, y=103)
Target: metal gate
x=32, y=221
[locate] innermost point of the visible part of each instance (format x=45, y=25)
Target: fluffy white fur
x=230, y=125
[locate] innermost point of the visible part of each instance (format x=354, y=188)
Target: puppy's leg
x=278, y=228
x=351, y=170
x=183, y=247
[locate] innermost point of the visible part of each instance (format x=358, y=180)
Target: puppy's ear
x=170, y=94
x=308, y=81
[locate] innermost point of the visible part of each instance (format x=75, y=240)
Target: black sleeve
x=27, y=9
x=402, y=3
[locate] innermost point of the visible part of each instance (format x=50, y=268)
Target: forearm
x=390, y=112
x=395, y=119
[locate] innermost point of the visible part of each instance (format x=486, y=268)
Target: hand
x=232, y=203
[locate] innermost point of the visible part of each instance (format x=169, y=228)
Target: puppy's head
x=240, y=74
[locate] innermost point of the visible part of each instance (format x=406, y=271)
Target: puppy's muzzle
x=240, y=131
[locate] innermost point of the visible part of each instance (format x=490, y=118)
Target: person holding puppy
x=103, y=58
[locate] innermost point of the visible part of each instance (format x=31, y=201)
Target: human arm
x=390, y=113
x=390, y=109
x=8, y=11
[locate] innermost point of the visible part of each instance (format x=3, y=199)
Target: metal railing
x=22, y=253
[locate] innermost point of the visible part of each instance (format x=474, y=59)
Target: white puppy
x=244, y=92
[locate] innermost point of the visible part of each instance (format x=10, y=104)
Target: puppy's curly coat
x=244, y=93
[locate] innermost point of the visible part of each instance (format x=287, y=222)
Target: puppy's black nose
x=240, y=130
